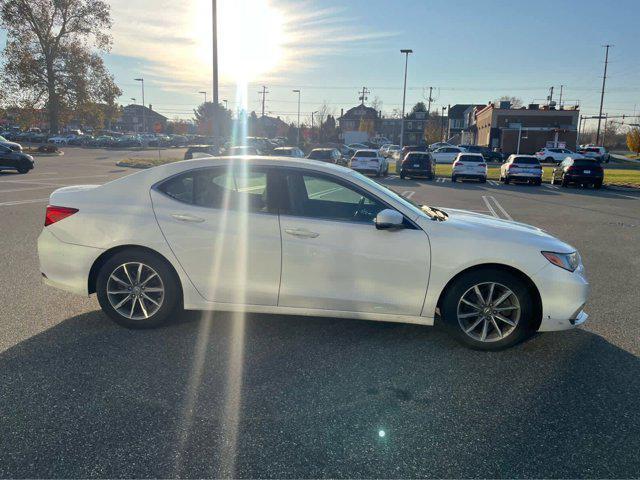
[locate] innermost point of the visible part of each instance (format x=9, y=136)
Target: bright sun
x=251, y=37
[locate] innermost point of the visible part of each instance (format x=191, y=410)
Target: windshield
x=471, y=158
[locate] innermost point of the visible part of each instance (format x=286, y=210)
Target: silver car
x=521, y=168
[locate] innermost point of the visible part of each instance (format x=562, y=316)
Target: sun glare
x=251, y=37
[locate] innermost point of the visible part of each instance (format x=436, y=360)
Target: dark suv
x=488, y=154
x=580, y=171
x=418, y=164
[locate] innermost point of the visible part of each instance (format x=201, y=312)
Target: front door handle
x=185, y=217
x=301, y=232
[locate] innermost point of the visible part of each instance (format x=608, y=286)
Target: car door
x=334, y=258
x=220, y=224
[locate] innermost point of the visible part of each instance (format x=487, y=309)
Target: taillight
x=513, y=165
x=55, y=214
x=482, y=164
x=456, y=164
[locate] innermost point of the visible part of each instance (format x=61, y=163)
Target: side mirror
x=388, y=219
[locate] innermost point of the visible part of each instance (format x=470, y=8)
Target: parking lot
x=270, y=396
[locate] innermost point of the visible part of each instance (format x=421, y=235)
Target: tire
x=169, y=300
x=597, y=185
x=520, y=311
x=378, y=173
x=22, y=171
x=454, y=179
x=564, y=183
x=537, y=182
x=483, y=179
x=402, y=176
x=506, y=180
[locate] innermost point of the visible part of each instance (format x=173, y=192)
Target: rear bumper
x=425, y=172
x=64, y=265
x=583, y=178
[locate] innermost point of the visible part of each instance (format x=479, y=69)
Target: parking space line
x=486, y=202
x=44, y=187
x=408, y=194
x=488, y=199
x=625, y=196
x=61, y=178
x=504, y=212
x=20, y=202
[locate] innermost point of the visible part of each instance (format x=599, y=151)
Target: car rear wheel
x=137, y=289
x=564, y=183
x=454, y=179
x=489, y=309
x=483, y=179
x=402, y=176
x=506, y=179
x=597, y=185
x=23, y=170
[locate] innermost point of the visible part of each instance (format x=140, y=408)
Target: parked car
x=200, y=151
x=12, y=145
x=369, y=161
x=446, y=154
x=294, y=152
x=128, y=141
x=387, y=150
x=599, y=153
x=242, y=150
x=554, y=155
x=488, y=154
x=579, y=171
x=417, y=164
x=353, y=147
x=58, y=140
x=331, y=155
x=332, y=244
x=437, y=145
x=525, y=168
x=469, y=166
x=15, y=160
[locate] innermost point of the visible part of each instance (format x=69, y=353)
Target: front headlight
x=568, y=261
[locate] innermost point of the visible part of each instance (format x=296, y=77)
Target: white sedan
x=294, y=236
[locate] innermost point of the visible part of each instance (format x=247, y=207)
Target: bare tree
x=515, y=101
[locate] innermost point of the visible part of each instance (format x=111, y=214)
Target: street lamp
x=406, y=52
x=442, y=124
x=298, y=132
x=144, y=116
x=133, y=99
x=205, y=96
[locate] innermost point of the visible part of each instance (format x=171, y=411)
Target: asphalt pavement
x=218, y=394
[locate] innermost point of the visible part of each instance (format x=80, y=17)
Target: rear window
x=585, y=163
x=526, y=161
x=592, y=150
x=365, y=154
x=418, y=156
x=320, y=154
x=471, y=158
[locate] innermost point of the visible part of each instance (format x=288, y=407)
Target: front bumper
x=564, y=295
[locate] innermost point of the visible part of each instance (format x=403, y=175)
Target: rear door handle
x=301, y=232
x=185, y=217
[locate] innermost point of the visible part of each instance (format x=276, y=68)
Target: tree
x=52, y=52
x=515, y=101
x=376, y=103
x=633, y=140
x=433, y=128
x=204, y=120
x=419, y=107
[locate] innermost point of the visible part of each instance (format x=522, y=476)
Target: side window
x=220, y=188
x=321, y=197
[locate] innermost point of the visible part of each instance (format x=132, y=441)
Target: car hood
x=11, y=145
x=504, y=230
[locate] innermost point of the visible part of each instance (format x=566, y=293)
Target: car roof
x=368, y=150
x=471, y=154
x=323, y=149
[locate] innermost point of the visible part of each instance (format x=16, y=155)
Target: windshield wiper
x=434, y=213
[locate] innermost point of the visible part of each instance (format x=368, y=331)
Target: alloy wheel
x=488, y=312
x=135, y=290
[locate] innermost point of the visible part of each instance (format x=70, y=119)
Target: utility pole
x=406, y=52
x=263, y=92
x=604, y=79
x=448, y=122
x=214, y=43
x=560, y=99
x=550, y=97
x=298, y=129
x=429, y=100
x=363, y=95
x=144, y=115
x=442, y=124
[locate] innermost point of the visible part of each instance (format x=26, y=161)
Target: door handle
x=301, y=232
x=185, y=217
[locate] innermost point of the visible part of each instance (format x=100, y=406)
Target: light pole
x=205, y=96
x=144, y=115
x=298, y=130
x=312, y=114
x=214, y=44
x=226, y=105
x=406, y=52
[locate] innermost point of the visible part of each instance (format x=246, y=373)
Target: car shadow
x=271, y=396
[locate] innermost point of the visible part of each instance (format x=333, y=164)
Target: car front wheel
x=137, y=289
x=489, y=309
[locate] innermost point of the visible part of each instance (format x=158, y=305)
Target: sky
x=468, y=51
